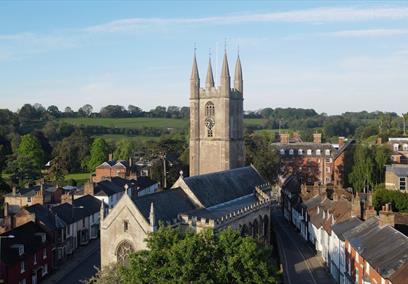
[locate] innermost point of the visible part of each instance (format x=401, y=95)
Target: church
x=220, y=192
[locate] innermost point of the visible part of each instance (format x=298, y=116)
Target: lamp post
x=6, y=237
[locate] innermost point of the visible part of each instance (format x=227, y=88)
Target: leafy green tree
x=99, y=153
x=30, y=147
x=382, y=156
x=260, y=153
x=73, y=151
x=361, y=176
x=398, y=200
x=124, y=149
x=175, y=256
x=24, y=169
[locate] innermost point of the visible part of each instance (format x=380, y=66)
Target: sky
x=332, y=56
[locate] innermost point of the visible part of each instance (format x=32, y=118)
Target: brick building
x=376, y=252
x=27, y=257
x=399, y=146
x=314, y=162
x=396, y=177
x=112, y=168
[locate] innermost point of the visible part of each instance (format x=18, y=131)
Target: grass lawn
x=79, y=177
x=117, y=137
x=139, y=122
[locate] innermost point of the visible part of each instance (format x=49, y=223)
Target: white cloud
x=316, y=15
x=367, y=33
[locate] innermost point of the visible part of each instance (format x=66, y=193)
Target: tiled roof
x=90, y=204
x=107, y=188
x=167, y=204
x=33, y=190
x=83, y=207
x=399, y=170
x=386, y=249
x=216, y=188
x=46, y=217
x=25, y=235
x=340, y=228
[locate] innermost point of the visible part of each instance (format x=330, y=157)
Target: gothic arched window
x=122, y=252
x=209, y=109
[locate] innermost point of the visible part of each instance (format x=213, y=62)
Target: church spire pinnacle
x=238, y=82
x=225, y=70
x=194, y=72
x=209, y=83
x=152, y=217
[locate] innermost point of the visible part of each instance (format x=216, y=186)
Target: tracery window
x=209, y=109
x=123, y=251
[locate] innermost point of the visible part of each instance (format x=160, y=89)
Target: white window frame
x=309, y=152
x=318, y=152
x=22, y=266
x=327, y=152
x=300, y=152
x=282, y=151
x=291, y=152
x=396, y=147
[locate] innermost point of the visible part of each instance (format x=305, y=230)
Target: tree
x=382, y=155
x=73, y=151
x=30, y=148
x=85, y=110
x=405, y=119
x=174, y=256
x=124, y=149
x=54, y=111
x=99, y=153
x=135, y=111
x=361, y=176
x=260, y=153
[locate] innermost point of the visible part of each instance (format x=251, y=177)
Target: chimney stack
x=342, y=141
x=284, y=138
x=110, y=157
x=317, y=138
x=387, y=217
x=14, y=190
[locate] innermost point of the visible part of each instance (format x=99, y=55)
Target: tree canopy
x=174, y=256
x=99, y=153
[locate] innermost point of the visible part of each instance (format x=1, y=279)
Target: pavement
x=79, y=267
x=300, y=262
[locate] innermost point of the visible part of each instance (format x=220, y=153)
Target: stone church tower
x=216, y=121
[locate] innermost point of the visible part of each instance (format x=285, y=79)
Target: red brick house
x=26, y=258
x=314, y=162
x=111, y=168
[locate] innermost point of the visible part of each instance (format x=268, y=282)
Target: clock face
x=209, y=122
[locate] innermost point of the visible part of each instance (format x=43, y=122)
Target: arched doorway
x=122, y=252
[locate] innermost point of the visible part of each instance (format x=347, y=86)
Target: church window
x=209, y=109
x=125, y=225
x=209, y=133
x=123, y=251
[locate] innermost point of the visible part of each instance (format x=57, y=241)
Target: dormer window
x=318, y=152
x=300, y=152
x=327, y=152
x=405, y=147
x=282, y=151
x=396, y=147
x=291, y=152
x=309, y=152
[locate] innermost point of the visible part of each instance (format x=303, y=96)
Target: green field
x=117, y=137
x=140, y=122
x=79, y=177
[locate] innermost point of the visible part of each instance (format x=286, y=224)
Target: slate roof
x=137, y=184
x=386, y=249
x=25, y=235
x=291, y=185
x=340, y=228
x=107, y=188
x=222, y=210
x=167, y=204
x=216, y=188
x=31, y=191
x=312, y=202
x=46, y=217
x=91, y=205
x=399, y=170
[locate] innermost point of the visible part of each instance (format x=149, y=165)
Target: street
x=80, y=267
x=300, y=264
